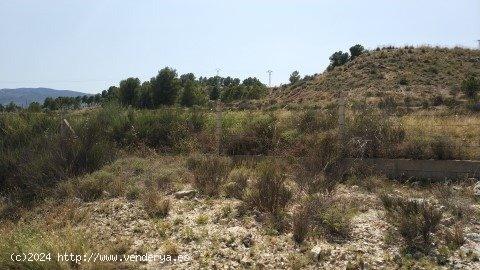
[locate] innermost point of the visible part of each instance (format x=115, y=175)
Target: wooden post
x=341, y=118
x=218, y=126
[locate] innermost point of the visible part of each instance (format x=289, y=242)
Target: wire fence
x=439, y=135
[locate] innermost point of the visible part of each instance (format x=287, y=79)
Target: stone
x=185, y=194
x=247, y=240
x=320, y=253
x=476, y=189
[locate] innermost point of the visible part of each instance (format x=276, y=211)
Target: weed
x=237, y=182
x=269, y=193
x=155, y=204
x=201, y=219
x=210, y=173
x=415, y=220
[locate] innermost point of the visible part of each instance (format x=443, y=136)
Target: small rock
x=320, y=253
x=247, y=240
x=476, y=189
x=185, y=194
x=246, y=262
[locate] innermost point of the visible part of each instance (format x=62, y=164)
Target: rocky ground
x=214, y=233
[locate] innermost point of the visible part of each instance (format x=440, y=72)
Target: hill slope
x=421, y=74
x=22, y=96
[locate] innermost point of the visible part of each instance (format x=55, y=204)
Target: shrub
x=133, y=192
x=155, y=204
x=312, y=120
x=170, y=249
x=323, y=214
x=320, y=156
x=269, y=193
x=210, y=173
x=165, y=130
x=471, y=86
x=301, y=223
x=256, y=137
x=454, y=238
x=237, y=182
x=416, y=148
x=443, y=147
x=201, y=219
x=90, y=189
x=25, y=239
x=403, y=81
x=415, y=220
x=388, y=103
x=371, y=134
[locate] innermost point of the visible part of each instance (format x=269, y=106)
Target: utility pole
x=269, y=78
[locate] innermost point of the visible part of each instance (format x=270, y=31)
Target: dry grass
x=155, y=204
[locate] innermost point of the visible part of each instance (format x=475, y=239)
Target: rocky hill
x=408, y=76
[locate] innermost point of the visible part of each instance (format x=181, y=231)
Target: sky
x=88, y=45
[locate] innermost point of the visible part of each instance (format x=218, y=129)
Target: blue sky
x=87, y=45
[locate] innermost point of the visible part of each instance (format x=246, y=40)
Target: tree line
x=167, y=89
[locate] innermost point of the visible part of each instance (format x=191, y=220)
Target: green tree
x=191, y=93
x=294, y=77
x=214, y=92
x=165, y=87
x=254, y=88
x=127, y=91
x=2, y=108
x=471, y=86
x=12, y=107
x=50, y=104
x=34, y=107
x=337, y=59
x=144, y=96
x=356, y=51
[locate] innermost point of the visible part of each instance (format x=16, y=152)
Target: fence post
x=218, y=126
x=341, y=119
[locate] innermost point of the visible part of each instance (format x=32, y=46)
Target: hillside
x=411, y=76
x=22, y=96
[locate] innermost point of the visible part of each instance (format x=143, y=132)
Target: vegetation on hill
x=404, y=77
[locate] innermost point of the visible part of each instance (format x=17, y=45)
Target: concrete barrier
x=424, y=169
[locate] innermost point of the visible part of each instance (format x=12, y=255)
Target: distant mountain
x=22, y=96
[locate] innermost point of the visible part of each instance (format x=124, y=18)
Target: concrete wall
x=426, y=169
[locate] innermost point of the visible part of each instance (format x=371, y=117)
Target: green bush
x=415, y=220
x=237, y=182
x=416, y=148
x=255, y=138
x=312, y=120
x=471, y=86
x=323, y=214
x=165, y=130
x=269, y=192
x=371, y=134
x=210, y=173
x=443, y=148
x=34, y=156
